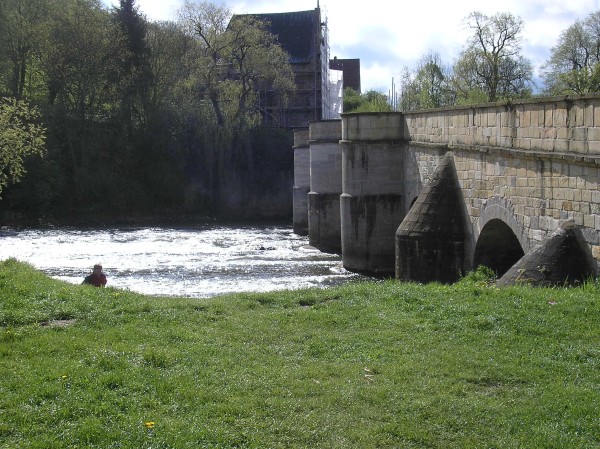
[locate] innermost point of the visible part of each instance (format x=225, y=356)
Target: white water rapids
x=200, y=261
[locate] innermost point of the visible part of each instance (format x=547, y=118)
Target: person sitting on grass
x=96, y=278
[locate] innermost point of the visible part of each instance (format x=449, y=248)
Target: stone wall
x=568, y=125
x=532, y=164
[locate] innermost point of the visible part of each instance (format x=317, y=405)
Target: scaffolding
x=331, y=80
x=316, y=96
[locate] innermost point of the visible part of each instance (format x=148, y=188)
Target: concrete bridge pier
x=325, y=185
x=301, y=182
x=372, y=202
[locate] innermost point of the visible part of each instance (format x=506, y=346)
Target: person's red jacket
x=96, y=281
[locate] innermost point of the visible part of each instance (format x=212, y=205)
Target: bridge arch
x=500, y=239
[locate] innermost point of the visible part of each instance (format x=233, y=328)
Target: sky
x=388, y=36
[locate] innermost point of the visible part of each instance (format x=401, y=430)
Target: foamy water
x=196, y=262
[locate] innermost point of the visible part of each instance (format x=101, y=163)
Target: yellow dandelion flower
x=149, y=424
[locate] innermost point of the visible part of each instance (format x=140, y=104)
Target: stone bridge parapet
x=561, y=127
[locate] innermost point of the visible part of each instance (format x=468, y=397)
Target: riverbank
x=374, y=364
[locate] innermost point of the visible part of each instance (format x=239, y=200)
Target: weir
x=430, y=195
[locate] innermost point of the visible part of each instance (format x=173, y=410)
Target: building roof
x=295, y=31
x=351, y=70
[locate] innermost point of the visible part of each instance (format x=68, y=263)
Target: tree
x=134, y=74
x=23, y=31
x=428, y=87
x=169, y=47
x=20, y=136
x=370, y=101
x=255, y=61
x=234, y=59
x=231, y=60
x=574, y=64
x=82, y=64
x=491, y=63
x=409, y=98
x=207, y=23
x=431, y=80
x=352, y=99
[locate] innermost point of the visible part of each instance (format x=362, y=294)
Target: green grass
x=365, y=365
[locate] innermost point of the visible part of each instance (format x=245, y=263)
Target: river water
x=199, y=261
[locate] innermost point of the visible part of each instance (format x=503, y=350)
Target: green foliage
x=574, y=64
x=582, y=81
x=490, y=68
x=352, y=99
x=481, y=276
x=234, y=58
x=471, y=96
x=491, y=62
x=375, y=364
x=370, y=101
x=20, y=136
x=24, y=26
x=134, y=67
x=428, y=86
x=141, y=116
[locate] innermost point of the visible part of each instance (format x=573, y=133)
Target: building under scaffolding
x=304, y=36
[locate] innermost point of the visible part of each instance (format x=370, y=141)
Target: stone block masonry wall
x=536, y=161
x=567, y=127
x=373, y=127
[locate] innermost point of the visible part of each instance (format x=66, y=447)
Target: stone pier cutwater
x=430, y=241
x=429, y=195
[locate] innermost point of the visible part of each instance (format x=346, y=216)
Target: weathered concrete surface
x=368, y=224
x=324, y=228
x=301, y=182
x=324, y=222
x=372, y=203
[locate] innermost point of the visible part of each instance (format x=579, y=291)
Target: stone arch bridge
x=430, y=195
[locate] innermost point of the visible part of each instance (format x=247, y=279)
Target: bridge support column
x=301, y=182
x=372, y=203
x=325, y=185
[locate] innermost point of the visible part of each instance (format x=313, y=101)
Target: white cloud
x=386, y=36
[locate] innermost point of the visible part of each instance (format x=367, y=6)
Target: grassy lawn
x=365, y=365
